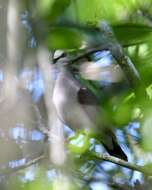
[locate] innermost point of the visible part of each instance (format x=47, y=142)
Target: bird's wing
x=86, y=97
x=78, y=107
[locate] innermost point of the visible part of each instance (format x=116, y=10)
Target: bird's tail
x=110, y=143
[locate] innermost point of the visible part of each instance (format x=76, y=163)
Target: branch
x=15, y=43
x=112, y=184
x=10, y=171
x=87, y=52
x=118, y=186
x=40, y=125
x=109, y=42
x=122, y=163
x=117, y=52
x=56, y=128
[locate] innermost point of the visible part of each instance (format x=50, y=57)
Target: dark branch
x=117, y=52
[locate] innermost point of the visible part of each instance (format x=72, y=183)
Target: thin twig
x=122, y=163
x=40, y=125
x=87, y=52
x=118, y=186
x=10, y=171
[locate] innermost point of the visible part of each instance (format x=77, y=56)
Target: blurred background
x=37, y=151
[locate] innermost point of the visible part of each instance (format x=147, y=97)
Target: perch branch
x=122, y=163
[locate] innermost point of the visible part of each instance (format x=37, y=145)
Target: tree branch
x=122, y=163
x=56, y=128
x=10, y=171
x=117, y=52
x=87, y=52
x=109, y=42
x=118, y=186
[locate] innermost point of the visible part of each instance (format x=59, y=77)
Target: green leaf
x=148, y=168
x=132, y=33
x=63, y=38
x=97, y=10
x=127, y=34
x=52, y=9
x=44, y=6
x=123, y=109
x=79, y=143
x=146, y=130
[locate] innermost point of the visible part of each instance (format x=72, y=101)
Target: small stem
x=10, y=171
x=122, y=163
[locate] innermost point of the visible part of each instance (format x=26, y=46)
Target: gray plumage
x=78, y=108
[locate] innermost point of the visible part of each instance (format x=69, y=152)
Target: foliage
x=72, y=26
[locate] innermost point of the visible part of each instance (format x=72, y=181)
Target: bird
x=77, y=107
